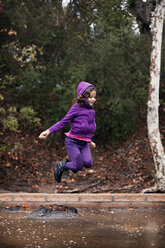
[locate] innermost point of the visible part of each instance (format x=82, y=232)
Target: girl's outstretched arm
x=44, y=134
x=72, y=113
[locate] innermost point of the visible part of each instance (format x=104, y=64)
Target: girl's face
x=92, y=98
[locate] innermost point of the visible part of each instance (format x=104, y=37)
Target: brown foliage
x=125, y=168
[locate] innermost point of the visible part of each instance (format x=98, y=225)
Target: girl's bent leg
x=86, y=156
x=75, y=156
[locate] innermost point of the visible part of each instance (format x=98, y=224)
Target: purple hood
x=82, y=87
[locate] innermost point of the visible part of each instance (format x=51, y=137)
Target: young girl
x=82, y=118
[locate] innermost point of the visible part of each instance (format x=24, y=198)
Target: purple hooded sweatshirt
x=82, y=118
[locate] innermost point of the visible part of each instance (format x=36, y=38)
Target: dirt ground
x=122, y=168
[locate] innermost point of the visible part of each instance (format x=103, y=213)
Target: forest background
x=46, y=49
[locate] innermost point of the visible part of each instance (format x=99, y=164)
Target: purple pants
x=79, y=153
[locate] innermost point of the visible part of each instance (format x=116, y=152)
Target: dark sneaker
x=59, y=169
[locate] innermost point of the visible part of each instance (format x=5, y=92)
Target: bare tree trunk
x=153, y=100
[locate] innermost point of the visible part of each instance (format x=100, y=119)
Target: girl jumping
x=82, y=118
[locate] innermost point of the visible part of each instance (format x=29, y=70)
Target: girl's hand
x=93, y=145
x=44, y=134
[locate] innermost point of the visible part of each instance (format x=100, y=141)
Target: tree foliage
x=47, y=49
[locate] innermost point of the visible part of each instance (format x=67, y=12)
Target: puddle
x=92, y=228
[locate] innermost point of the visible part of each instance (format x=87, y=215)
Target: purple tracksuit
x=82, y=125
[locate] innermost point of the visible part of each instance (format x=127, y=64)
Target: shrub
x=10, y=123
x=4, y=147
x=29, y=115
x=2, y=111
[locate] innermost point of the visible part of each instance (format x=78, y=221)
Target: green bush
x=2, y=111
x=29, y=115
x=13, y=109
x=4, y=147
x=57, y=48
x=10, y=123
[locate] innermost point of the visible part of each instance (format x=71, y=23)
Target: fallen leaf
x=8, y=164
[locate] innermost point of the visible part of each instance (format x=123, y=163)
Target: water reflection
x=94, y=228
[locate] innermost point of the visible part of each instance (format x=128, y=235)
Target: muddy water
x=94, y=228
